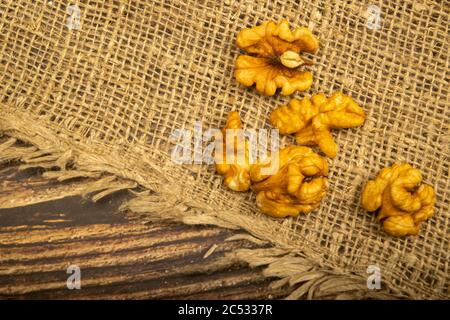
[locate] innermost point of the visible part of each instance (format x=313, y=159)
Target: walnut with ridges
x=312, y=119
x=297, y=187
x=276, y=59
x=400, y=198
x=236, y=174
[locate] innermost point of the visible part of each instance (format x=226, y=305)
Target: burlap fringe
x=58, y=162
x=307, y=278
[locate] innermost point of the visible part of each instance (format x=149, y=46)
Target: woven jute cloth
x=99, y=88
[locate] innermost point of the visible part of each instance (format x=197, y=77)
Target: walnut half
x=401, y=198
x=236, y=170
x=297, y=187
x=275, y=59
x=312, y=119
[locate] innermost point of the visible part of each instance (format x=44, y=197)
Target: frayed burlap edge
x=308, y=277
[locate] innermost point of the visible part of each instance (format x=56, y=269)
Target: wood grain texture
x=119, y=259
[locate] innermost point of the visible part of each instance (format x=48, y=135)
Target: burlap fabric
x=104, y=98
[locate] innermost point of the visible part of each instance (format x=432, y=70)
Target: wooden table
x=118, y=258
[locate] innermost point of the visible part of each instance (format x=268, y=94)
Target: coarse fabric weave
x=108, y=93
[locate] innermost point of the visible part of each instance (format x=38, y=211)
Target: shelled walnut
x=312, y=119
x=401, y=198
x=236, y=172
x=296, y=185
x=276, y=62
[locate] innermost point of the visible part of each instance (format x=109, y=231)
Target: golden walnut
x=276, y=59
x=298, y=186
x=312, y=119
x=401, y=198
x=236, y=174
x=287, y=183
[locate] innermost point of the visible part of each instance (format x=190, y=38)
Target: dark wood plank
x=119, y=259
